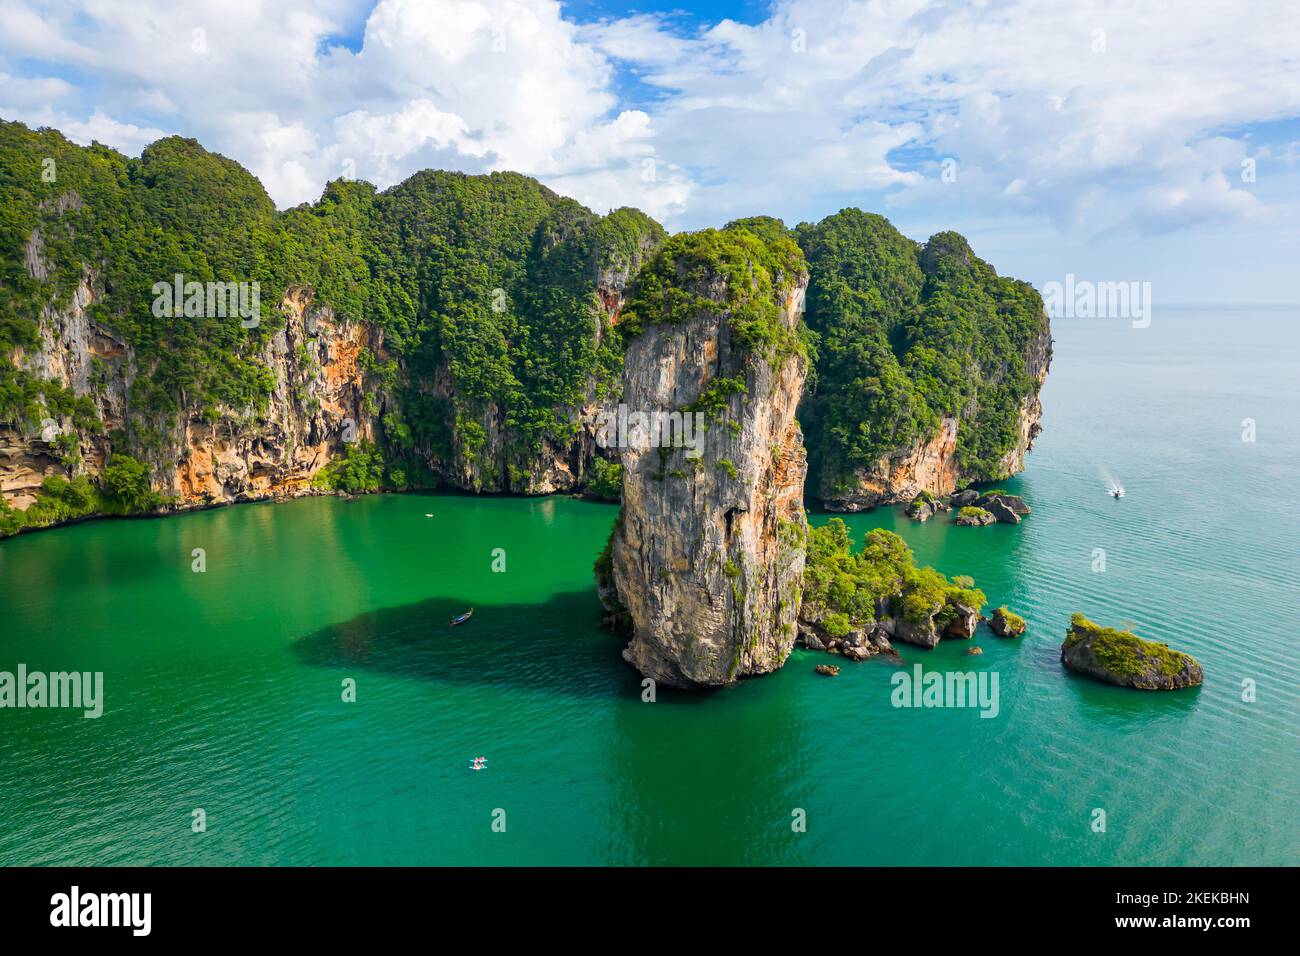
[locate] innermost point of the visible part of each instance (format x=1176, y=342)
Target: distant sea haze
x=1085, y=299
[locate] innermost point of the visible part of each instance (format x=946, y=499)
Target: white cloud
x=1014, y=92
x=1134, y=128
x=35, y=92
x=465, y=84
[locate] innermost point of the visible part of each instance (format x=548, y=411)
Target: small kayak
x=462, y=618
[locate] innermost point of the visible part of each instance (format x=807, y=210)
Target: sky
x=1115, y=141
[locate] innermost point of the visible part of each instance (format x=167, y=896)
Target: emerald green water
x=224, y=688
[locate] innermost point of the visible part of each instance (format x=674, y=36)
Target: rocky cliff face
x=934, y=465
x=452, y=323
x=706, y=561
x=321, y=399
x=1038, y=360
x=318, y=405
x=78, y=354
x=462, y=324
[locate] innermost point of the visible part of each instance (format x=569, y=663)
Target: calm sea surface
x=223, y=688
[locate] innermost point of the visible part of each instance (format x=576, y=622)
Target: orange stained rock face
x=342, y=367
x=790, y=465
x=611, y=302
x=194, y=476
x=930, y=466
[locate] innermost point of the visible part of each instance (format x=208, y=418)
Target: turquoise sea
x=223, y=689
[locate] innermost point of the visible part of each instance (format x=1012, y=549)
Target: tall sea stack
x=705, y=564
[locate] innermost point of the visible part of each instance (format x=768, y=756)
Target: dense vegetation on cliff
x=851, y=589
x=754, y=266
x=496, y=278
x=490, y=278
x=907, y=334
x=133, y=223
x=494, y=303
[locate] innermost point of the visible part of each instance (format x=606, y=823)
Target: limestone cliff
x=330, y=380
x=78, y=354
x=317, y=404
x=455, y=326
x=465, y=330
x=929, y=364
x=706, y=560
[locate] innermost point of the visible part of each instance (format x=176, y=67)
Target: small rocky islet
x=1006, y=623
x=858, y=604
x=1123, y=658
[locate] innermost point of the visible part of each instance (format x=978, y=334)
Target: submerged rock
x=830, y=670
x=974, y=650
x=1123, y=658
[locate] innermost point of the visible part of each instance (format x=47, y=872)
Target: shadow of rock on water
x=554, y=646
